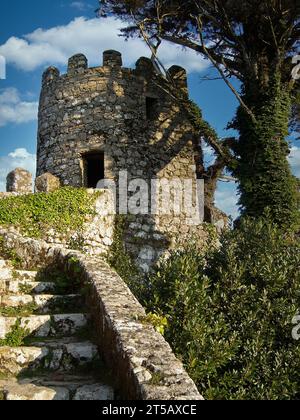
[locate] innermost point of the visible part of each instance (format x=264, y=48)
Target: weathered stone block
x=19, y=180
x=47, y=183
x=112, y=58
x=77, y=64
x=50, y=74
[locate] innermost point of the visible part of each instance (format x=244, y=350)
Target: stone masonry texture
x=19, y=181
x=125, y=115
x=135, y=352
x=47, y=183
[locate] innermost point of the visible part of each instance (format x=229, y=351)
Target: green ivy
x=267, y=185
x=64, y=210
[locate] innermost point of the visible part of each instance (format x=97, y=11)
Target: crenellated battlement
x=103, y=109
x=113, y=63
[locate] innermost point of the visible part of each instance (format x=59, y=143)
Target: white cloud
x=14, y=110
x=19, y=158
x=227, y=199
x=91, y=37
x=81, y=6
x=294, y=160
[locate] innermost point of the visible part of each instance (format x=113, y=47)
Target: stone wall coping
x=112, y=60
x=142, y=361
x=12, y=194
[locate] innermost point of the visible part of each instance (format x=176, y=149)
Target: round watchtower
x=94, y=122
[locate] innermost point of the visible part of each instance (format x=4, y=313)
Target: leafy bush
x=230, y=313
x=63, y=210
x=16, y=337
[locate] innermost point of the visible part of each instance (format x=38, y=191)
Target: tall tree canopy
x=253, y=41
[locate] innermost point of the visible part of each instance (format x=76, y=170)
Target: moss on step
x=19, y=311
x=157, y=379
x=25, y=289
x=53, y=307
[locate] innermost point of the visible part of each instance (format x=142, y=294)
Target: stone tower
x=96, y=122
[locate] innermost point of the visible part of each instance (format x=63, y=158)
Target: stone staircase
x=46, y=346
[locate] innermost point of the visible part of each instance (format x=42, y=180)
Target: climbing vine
x=64, y=210
x=267, y=185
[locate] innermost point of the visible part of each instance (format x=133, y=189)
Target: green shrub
x=64, y=210
x=16, y=337
x=230, y=313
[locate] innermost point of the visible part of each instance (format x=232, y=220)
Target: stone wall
x=96, y=236
x=97, y=233
x=146, y=238
x=19, y=181
x=143, y=364
x=119, y=111
x=127, y=115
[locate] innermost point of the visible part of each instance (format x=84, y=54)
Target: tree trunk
x=267, y=185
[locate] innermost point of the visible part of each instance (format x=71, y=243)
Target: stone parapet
x=142, y=362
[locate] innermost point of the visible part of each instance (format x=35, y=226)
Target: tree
x=253, y=41
x=295, y=120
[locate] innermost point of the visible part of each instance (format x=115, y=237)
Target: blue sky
x=37, y=34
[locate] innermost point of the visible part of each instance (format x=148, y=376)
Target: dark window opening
x=151, y=108
x=93, y=168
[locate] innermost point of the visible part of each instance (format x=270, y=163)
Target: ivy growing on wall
x=267, y=185
x=64, y=211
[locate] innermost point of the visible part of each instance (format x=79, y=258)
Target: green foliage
x=159, y=322
x=25, y=289
x=22, y=310
x=295, y=118
x=157, y=379
x=77, y=243
x=267, y=185
x=197, y=120
x=230, y=313
x=10, y=254
x=74, y=265
x=253, y=32
x=16, y=337
x=64, y=210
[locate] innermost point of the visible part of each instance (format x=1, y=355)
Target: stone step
x=44, y=303
x=46, y=325
x=24, y=275
x=19, y=286
x=77, y=388
x=5, y=274
x=8, y=273
x=55, y=355
x=13, y=391
x=4, y=264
